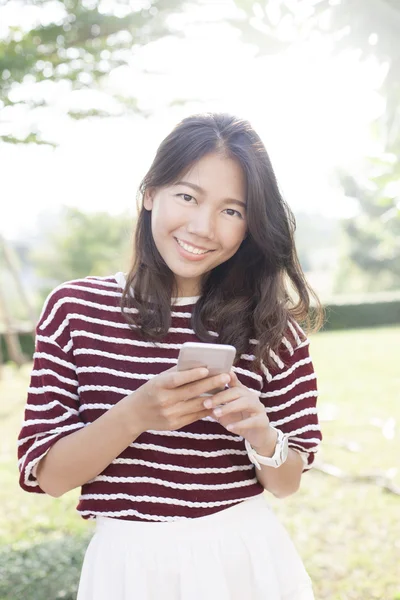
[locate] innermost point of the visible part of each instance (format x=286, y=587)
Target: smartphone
x=218, y=358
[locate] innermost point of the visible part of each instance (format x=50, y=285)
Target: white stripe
x=114, y=340
x=81, y=302
x=55, y=359
x=53, y=432
x=103, y=307
x=104, y=388
x=297, y=326
x=87, y=319
x=304, y=450
x=134, y=513
x=247, y=373
x=114, y=372
x=52, y=388
x=292, y=385
x=314, y=427
x=303, y=361
x=288, y=345
x=140, y=343
x=249, y=357
x=68, y=346
x=294, y=332
x=280, y=407
x=40, y=372
x=173, y=485
x=266, y=372
x=123, y=357
x=294, y=416
x=100, y=292
x=117, y=325
x=49, y=406
x=276, y=359
x=47, y=421
x=46, y=340
x=30, y=437
x=158, y=500
x=305, y=343
x=198, y=436
x=306, y=440
x=102, y=281
x=179, y=469
x=187, y=452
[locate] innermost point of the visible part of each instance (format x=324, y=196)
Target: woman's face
x=199, y=222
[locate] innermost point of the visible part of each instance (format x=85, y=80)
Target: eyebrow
x=197, y=188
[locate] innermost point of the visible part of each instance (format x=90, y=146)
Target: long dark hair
x=256, y=291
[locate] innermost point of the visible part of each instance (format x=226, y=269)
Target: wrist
x=267, y=448
x=129, y=414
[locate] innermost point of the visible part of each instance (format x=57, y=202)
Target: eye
x=186, y=197
x=233, y=213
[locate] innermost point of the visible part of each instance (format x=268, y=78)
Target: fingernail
x=207, y=403
x=217, y=412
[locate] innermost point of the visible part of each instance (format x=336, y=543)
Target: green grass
x=348, y=533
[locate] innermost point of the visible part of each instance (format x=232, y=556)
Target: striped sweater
x=87, y=358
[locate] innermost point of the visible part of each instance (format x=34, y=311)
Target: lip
x=188, y=255
x=194, y=245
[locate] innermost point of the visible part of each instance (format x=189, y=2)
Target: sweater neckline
x=120, y=278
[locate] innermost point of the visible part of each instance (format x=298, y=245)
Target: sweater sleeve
x=290, y=395
x=52, y=409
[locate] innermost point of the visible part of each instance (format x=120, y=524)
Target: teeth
x=190, y=248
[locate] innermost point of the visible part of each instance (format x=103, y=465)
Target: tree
x=77, y=244
x=372, y=244
x=76, y=45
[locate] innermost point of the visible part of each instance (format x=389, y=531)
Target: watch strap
x=275, y=460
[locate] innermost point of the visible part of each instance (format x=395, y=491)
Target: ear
x=148, y=198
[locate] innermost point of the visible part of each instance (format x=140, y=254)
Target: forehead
x=217, y=175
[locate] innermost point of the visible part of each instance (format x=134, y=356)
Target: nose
x=202, y=223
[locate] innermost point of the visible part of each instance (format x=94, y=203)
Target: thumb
x=234, y=382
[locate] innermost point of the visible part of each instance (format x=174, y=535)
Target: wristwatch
x=279, y=456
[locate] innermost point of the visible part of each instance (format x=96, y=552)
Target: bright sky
x=311, y=109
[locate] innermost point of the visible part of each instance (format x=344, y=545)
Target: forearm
x=284, y=480
x=81, y=456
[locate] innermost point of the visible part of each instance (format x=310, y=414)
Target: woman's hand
x=172, y=399
x=243, y=413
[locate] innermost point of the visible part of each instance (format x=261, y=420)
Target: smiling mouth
x=192, y=249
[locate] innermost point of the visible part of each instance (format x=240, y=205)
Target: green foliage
x=362, y=314
x=77, y=44
x=372, y=240
x=81, y=244
x=49, y=569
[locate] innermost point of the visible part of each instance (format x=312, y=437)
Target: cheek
x=233, y=236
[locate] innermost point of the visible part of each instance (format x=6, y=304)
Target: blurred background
x=87, y=92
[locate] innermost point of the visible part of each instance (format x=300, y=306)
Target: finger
x=241, y=404
x=194, y=416
x=223, y=397
x=175, y=379
x=241, y=427
x=203, y=386
x=234, y=380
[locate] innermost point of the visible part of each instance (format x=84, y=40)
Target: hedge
x=357, y=314
x=349, y=313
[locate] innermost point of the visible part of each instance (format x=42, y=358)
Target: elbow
x=284, y=492
x=51, y=488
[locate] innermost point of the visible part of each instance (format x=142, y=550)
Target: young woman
x=174, y=479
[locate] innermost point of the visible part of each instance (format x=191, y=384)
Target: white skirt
x=240, y=553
